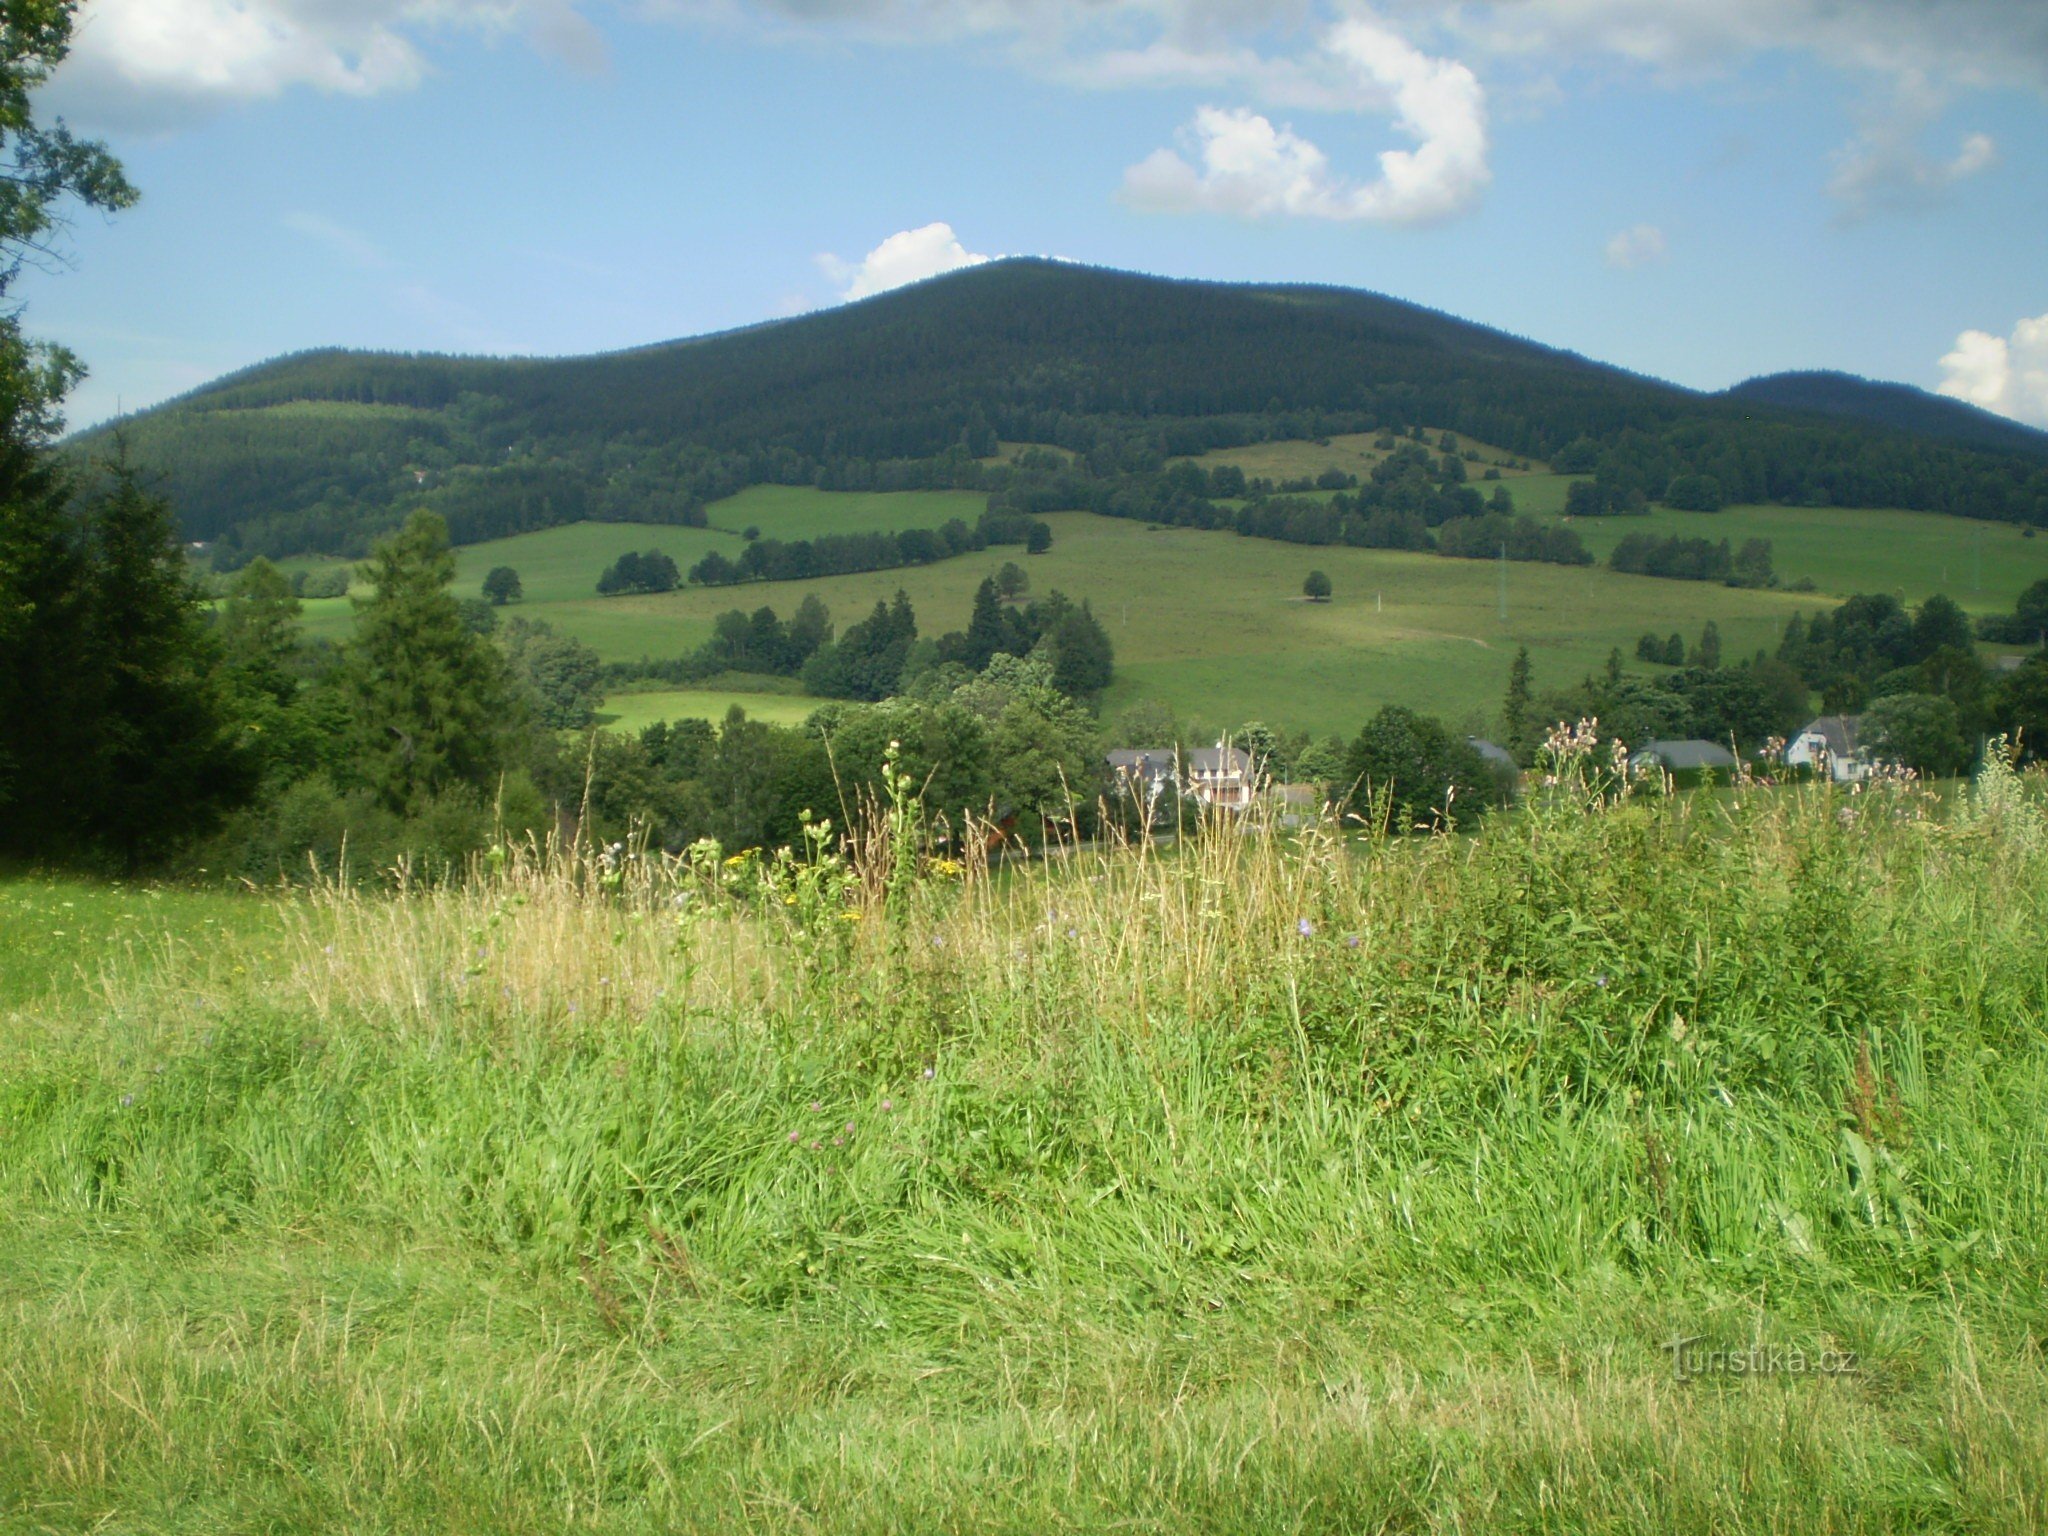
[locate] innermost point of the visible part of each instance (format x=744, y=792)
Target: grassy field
x=1982, y=565
x=1354, y=453
x=1278, y=1186
x=1210, y=623
x=1214, y=625
x=633, y=712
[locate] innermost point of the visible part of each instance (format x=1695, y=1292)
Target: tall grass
x=1265, y=1181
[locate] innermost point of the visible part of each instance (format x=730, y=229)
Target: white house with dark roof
x=1830, y=745
x=1223, y=777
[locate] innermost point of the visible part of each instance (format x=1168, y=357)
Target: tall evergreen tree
x=48, y=698
x=166, y=762
x=427, y=696
x=1515, y=710
x=985, y=627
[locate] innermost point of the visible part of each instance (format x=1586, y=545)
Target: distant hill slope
x=1900, y=406
x=323, y=450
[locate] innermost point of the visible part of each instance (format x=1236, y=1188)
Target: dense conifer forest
x=324, y=451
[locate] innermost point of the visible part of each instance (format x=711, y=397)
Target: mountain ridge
x=1124, y=369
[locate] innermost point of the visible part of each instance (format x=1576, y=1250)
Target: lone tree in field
x=428, y=697
x=1012, y=581
x=1039, y=539
x=1317, y=588
x=502, y=586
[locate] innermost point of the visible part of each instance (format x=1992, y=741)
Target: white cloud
x=156, y=63
x=2008, y=375
x=908, y=256
x=1882, y=168
x=1638, y=246
x=1250, y=168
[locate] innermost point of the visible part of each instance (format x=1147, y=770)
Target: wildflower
x=838, y=1141
x=888, y=1104
x=1351, y=941
x=817, y=1146
x=794, y=1137
x=1305, y=928
x=849, y=1127
x=816, y=1106
x=1600, y=980
x=929, y=1074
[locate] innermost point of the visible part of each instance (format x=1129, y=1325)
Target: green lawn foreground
x=1283, y=1185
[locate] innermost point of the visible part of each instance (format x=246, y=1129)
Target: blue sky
x=1702, y=192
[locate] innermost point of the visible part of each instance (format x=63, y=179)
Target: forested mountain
x=324, y=450
x=1891, y=405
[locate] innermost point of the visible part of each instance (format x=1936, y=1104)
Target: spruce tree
x=985, y=628
x=49, y=700
x=1515, y=711
x=166, y=761
x=427, y=697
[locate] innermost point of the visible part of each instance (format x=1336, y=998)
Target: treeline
x=1412, y=499
x=840, y=554
x=1926, y=695
x=328, y=450
x=1678, y=558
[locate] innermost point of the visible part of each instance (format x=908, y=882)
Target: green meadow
x=1284, y=1184
x=1213, y=624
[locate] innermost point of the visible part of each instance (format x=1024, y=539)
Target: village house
x=1830, y=745
x=1683, y=758
x=1220, y=777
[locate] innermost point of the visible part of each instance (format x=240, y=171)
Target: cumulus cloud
x=157, y=63
x=1637, y=247
x=908, y=256
x=2006, y=374
x=1251, y=168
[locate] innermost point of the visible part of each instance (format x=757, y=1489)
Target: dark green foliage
x=2028, y=622
x=428, y=697
x=320, y=583
x=1517, y=727
x=562, y=675
x=1678, y=558
x=1707, y=653
x=501, y=585
x=841, y=554
x=1011, y=581
x=1406, y=771
x=1126, y=372
x=866, y=662
x=1917, y=731
x=1520, y=538
x=1316, y=587
x=651, y=571
x=1082, y=659
x=1039, y=539
x=1892, y=405
x=165, y=760
x=1694, y=493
